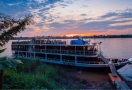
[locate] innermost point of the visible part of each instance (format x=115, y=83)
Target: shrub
x=32, y=74
x=83, y=81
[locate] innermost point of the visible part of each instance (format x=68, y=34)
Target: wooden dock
x=121, y=85
x=116, y=80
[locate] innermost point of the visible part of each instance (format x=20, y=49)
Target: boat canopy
x=80, y=42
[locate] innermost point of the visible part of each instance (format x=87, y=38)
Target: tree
x=8, y=28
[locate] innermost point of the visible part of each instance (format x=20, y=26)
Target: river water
x=111, y=47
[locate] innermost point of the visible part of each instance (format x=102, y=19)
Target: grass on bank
x=32, y=74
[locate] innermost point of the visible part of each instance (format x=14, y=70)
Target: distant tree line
x=110, y=36
x=74, y=37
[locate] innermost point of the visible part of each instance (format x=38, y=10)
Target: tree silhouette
x=8, y=28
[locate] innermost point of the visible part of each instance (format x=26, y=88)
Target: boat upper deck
x=56, y=47
x=52, y=43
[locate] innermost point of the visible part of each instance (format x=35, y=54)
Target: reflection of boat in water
x=77, y=53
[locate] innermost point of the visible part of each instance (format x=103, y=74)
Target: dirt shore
x=86, y=80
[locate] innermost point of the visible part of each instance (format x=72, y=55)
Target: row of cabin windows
x=63, y=47
x=63, y=57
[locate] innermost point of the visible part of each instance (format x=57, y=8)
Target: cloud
x=83, y=14
x=40, y=1
x=63, y=4
x=64, y=16
x=110, y=14
x=121, y=24
x=12, y=4
x=85, y=6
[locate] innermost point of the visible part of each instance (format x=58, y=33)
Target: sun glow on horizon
x=109, y=32
x=89, y=34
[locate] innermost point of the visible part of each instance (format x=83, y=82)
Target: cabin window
x=90, y=48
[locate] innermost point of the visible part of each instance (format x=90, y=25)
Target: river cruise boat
x=77, y=53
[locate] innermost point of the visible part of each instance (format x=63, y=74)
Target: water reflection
x=8, y=51
x=116, y=47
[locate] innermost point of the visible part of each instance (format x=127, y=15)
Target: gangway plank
x=104, y=59
x=113, y=69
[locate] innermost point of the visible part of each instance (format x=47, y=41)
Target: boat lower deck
x=79, y=63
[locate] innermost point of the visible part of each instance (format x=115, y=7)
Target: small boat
x=78, y=53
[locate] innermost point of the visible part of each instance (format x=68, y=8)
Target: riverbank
x=38, y=75
x=88, y=80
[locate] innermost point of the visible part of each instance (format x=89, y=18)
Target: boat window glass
x=90, y=47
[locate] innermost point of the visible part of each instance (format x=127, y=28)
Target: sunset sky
x=72, y=17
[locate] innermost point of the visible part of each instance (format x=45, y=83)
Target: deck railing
x=78, y=52
x=24, y=42
x=28, y=42
x=104, y=57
